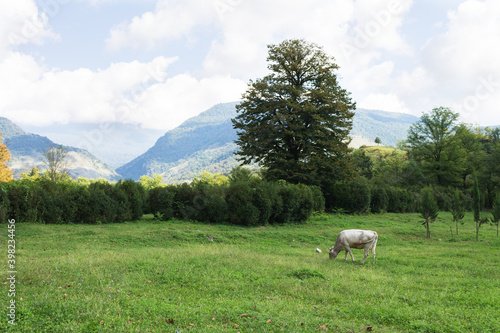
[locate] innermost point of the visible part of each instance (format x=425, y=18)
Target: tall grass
x=189, y=277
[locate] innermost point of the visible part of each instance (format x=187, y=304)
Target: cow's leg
x=346, y=252
x=350, y=252
x=366, y=255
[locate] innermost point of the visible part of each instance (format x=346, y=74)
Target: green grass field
x=175, y=276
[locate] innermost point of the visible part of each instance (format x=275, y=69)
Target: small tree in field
x=476, y=205
x=496, y=211
x=457, y=209
x=378, y=141
x=428, y=209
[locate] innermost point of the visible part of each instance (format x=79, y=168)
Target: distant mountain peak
x=9, y=129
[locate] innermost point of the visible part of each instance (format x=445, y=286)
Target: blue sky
x=157, y=63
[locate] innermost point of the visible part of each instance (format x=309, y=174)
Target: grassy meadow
x=175, y=276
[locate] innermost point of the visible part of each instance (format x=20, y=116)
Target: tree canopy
x=295, y=121
x=434, y=145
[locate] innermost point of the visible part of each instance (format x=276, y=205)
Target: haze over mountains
x=201, y=143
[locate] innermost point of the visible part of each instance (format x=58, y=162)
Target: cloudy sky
x=159, y=62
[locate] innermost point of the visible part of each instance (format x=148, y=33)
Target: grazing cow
x=356, y=239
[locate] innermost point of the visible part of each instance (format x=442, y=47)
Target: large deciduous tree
x=295, y=121
x=434, y=145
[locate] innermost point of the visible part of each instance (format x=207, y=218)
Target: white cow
x=356, y=239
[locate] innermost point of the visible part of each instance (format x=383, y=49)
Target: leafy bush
x=379, y=200
x=241, y=209
x=353, y=197
x=297, y=203
x=135, y=194
x=400, y=201
x=4, y=203
x=161, y=202
x=209, y=203
x=318, y=199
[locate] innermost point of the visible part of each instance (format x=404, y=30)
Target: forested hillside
x=201, y=143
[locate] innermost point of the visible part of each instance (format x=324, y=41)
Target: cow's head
x=332, y=253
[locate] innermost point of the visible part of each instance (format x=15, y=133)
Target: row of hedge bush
x=46, y=201
x=358, y=196
x=247, y=202
x=240, y=202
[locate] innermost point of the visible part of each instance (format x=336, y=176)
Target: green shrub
x=353, y=197
x=4, y=203
x=209, y=203
x=297, y=203
x=400, y=201
x=135, y=194
x=241, y=210
x=88, y=211
x=318, y=199
x=161, y=202
x=184, y=195
x=379, y=200
x=265, y=198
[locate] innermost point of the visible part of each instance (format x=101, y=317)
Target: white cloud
x=135, y=92
x=171, y=20
x=386, y=102
x=243, y=29
x=21, y=23
x=167, y=105
x=37, y=96
x=470, y=45
x=464, y=62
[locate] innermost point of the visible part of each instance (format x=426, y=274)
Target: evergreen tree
x=428, y=209
x=295, y=121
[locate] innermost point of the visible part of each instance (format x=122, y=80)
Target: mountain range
x=206, y=143
x=201, y=143
x=26, y=150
